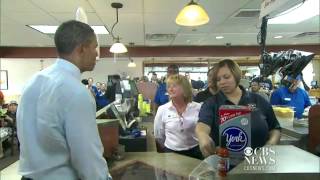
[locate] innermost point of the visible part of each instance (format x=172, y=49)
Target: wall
x=21, y=70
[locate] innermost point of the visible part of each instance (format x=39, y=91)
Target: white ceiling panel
x=129, y=6
x=164, y=6
x=17, y=6
x=160, y=23
x=63, y=6
x=32, y=18
x=16, y=36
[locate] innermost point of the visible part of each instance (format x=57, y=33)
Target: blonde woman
x=175, y=121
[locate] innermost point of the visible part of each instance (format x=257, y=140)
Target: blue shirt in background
x=298, y=99
x=101, y=99
x=161, y=94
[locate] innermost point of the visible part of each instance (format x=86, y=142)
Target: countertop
x=290, y=163
x=295, y=131
x=170, y=162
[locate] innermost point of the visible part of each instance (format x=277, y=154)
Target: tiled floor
x=10, y=173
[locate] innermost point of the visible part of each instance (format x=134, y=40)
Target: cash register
x=125, y=108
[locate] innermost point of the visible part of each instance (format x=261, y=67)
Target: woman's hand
x=207, y=146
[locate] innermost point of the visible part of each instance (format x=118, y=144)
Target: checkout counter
x=290, y=162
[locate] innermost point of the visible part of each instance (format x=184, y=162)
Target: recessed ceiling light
x=278, y=37
x=298, y=13
x=100, y=29
x=48, y=29
x=219, y=37
x=44, y=28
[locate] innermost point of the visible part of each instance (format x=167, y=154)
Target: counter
x=290, y=163
x=109, y=135
x=294, y=131
x=165, y=164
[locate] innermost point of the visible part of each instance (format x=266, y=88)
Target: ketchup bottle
x=223, y=153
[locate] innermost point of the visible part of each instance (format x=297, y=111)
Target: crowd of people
x=98, y=92
x=7, y=124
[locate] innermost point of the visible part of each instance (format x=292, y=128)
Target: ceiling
x=141, y=19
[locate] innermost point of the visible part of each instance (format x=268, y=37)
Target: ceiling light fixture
x=192, y=15
x=278, y=37
x=117, y=47
x=131, y=64
x=219, y=37
x=48, y=29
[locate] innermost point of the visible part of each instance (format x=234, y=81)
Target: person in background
x=264, y=83
x=10, y=123
x=98, y=86
x=113, y=82
x=199, y=84
x=255, y=88
x=11, y=114
x=154, y=78
x=244, y=82
x=292, y=96
x=175, y=121
x=56, y=123
x=161, y=96
x=208, y=92
x=192, y=82
x=144, y=79
x=101, y=98
x=225, y=82
x=3, y=129
x=93, y=89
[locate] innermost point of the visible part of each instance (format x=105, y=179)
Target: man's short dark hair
x=70, y=34
x=258, y=80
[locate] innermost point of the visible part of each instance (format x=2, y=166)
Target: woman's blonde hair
x=234, y=68
x=184, y=83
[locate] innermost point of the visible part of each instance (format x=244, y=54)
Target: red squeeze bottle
x=223, y=153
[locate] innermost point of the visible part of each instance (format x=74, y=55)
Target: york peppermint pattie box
x=235, y=124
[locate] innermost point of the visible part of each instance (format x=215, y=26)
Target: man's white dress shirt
x=56, y=127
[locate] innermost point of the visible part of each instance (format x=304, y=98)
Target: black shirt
x=202, y=96
x=260, y=127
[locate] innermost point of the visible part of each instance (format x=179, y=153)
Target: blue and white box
x=235, y=124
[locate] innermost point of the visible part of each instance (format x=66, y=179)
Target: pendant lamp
x=117, y=47
x=192, y=15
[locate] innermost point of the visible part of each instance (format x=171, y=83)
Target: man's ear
x=82, y=47
x=78, y=49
